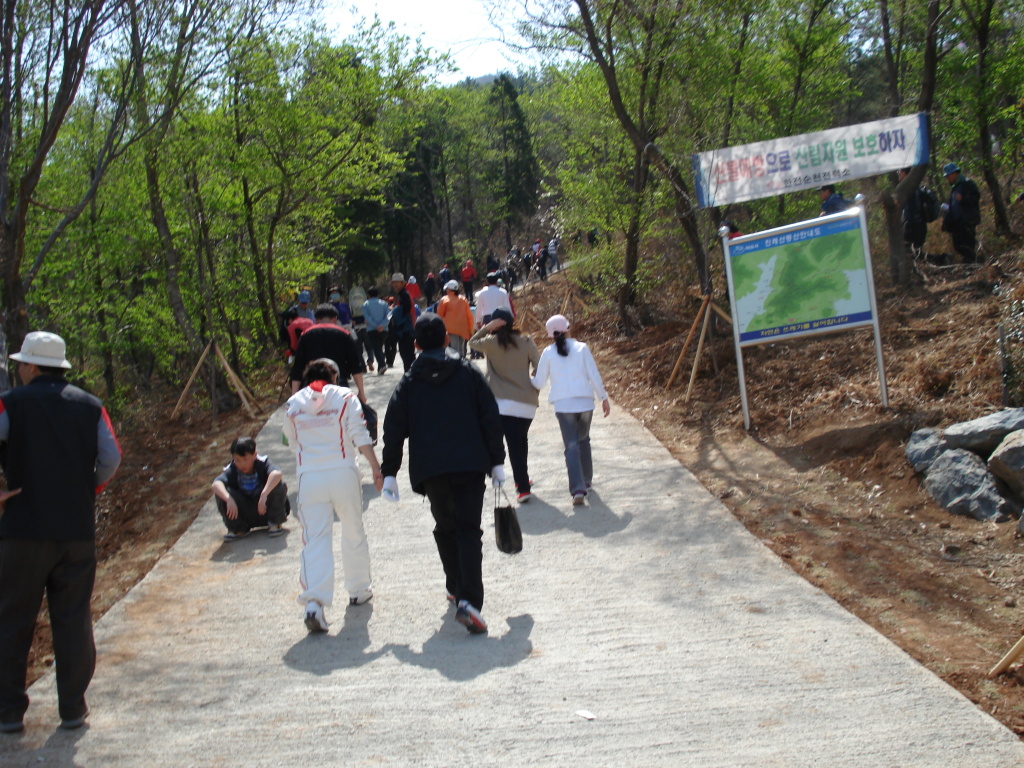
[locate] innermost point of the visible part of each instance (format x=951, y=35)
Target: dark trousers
x=376, y=339
x=363, y=343
x=965, y=242
x=467, y=287
x=516, y=432
x=65, y=571
x=457, y=502
x=249, y=516
x=407, y=349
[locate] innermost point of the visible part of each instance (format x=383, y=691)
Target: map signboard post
x=802, y=279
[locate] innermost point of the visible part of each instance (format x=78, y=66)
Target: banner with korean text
x=797, y=163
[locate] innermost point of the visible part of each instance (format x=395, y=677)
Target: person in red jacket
x=413, y=289
x=468, y=275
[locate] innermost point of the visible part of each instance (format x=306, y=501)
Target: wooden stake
x=188, y=384
x=696, y=357
x=231, y=371
x=235, y=381
x=1008, y=659
x=689, y=338
x=721, y=313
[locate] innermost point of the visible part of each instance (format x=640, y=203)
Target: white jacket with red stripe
x=324, y=425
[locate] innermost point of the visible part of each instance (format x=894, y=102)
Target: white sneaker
x=315, y=620
x=361, y=598
x=578, y=498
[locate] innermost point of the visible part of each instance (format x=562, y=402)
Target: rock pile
x=975, y=468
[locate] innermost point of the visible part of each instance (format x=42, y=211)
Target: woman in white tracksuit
x=325, y=427
x=574, y=382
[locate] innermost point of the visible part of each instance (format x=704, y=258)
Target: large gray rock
x=924, y=447
x=961, y=483
x=1007, y=462
x=984, y=434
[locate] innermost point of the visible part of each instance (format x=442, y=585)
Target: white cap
x=43, y=348
x=398, y=277
x=412, y=279
x=556, y=324
x=451, y=285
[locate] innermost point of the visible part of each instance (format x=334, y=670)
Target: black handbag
x=507, y=533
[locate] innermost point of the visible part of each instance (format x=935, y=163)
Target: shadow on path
x=320, y=654
x=593, y=519
x=460, y=656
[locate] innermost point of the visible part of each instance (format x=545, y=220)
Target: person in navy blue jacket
x=60, y=450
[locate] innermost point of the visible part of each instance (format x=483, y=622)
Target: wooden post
x=696, y=357
x=188, y=384
x=689, y=338
x=235, y=381
x=1008, y=659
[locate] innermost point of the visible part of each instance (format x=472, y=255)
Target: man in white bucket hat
x=61, y=451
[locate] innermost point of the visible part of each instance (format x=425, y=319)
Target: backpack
x=930, y=206
x=283, y=319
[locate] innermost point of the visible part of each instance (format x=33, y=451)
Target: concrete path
x=652, y=609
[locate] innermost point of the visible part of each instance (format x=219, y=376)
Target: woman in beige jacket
x=511, y=359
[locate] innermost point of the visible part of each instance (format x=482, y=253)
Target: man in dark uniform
x=60, y=452
x=330, y=340
x=962, y=214
x=446, y=410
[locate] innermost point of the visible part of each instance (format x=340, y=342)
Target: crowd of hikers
x=453, y=422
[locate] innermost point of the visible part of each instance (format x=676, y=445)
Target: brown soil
x=821, y=477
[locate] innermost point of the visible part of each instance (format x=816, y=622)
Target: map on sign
x=799, y=281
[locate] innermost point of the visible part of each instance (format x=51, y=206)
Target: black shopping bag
x=507, y=533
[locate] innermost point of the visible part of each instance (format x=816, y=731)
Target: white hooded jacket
x=325, y=427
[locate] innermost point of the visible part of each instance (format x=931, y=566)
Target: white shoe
x=315, y=620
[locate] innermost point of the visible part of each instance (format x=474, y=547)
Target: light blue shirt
x=375, y=312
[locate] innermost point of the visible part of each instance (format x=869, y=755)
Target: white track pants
x=321, y=494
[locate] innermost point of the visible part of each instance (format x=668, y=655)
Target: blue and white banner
x=808, y=161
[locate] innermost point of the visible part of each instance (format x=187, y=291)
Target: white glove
x=391, y=489
x=498, y=476
x=944, y=207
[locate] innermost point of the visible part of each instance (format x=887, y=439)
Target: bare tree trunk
x=892, y=204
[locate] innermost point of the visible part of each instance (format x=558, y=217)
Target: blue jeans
x=578, y=460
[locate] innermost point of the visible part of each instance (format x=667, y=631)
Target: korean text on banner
x=796, y=163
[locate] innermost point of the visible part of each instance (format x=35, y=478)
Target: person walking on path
x=330, y=340
x=468, y=275
x=446, y=411
x=457, y=316
x=511, y=358
x=250, y=492
x=324, y=426
x=60, y=452
x=403, y=320
x=489, y=299
x=574, y=382
x=375, y=311
x=962, y=214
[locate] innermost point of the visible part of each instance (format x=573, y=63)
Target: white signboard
x=799, y=280
x=809, y=161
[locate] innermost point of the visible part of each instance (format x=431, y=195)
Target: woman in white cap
x=574, y=382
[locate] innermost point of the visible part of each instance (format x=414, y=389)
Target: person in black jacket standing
x=962, y=214
x=448, y=457
x=61, y=451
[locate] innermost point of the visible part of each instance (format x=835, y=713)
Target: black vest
x=51, y=455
